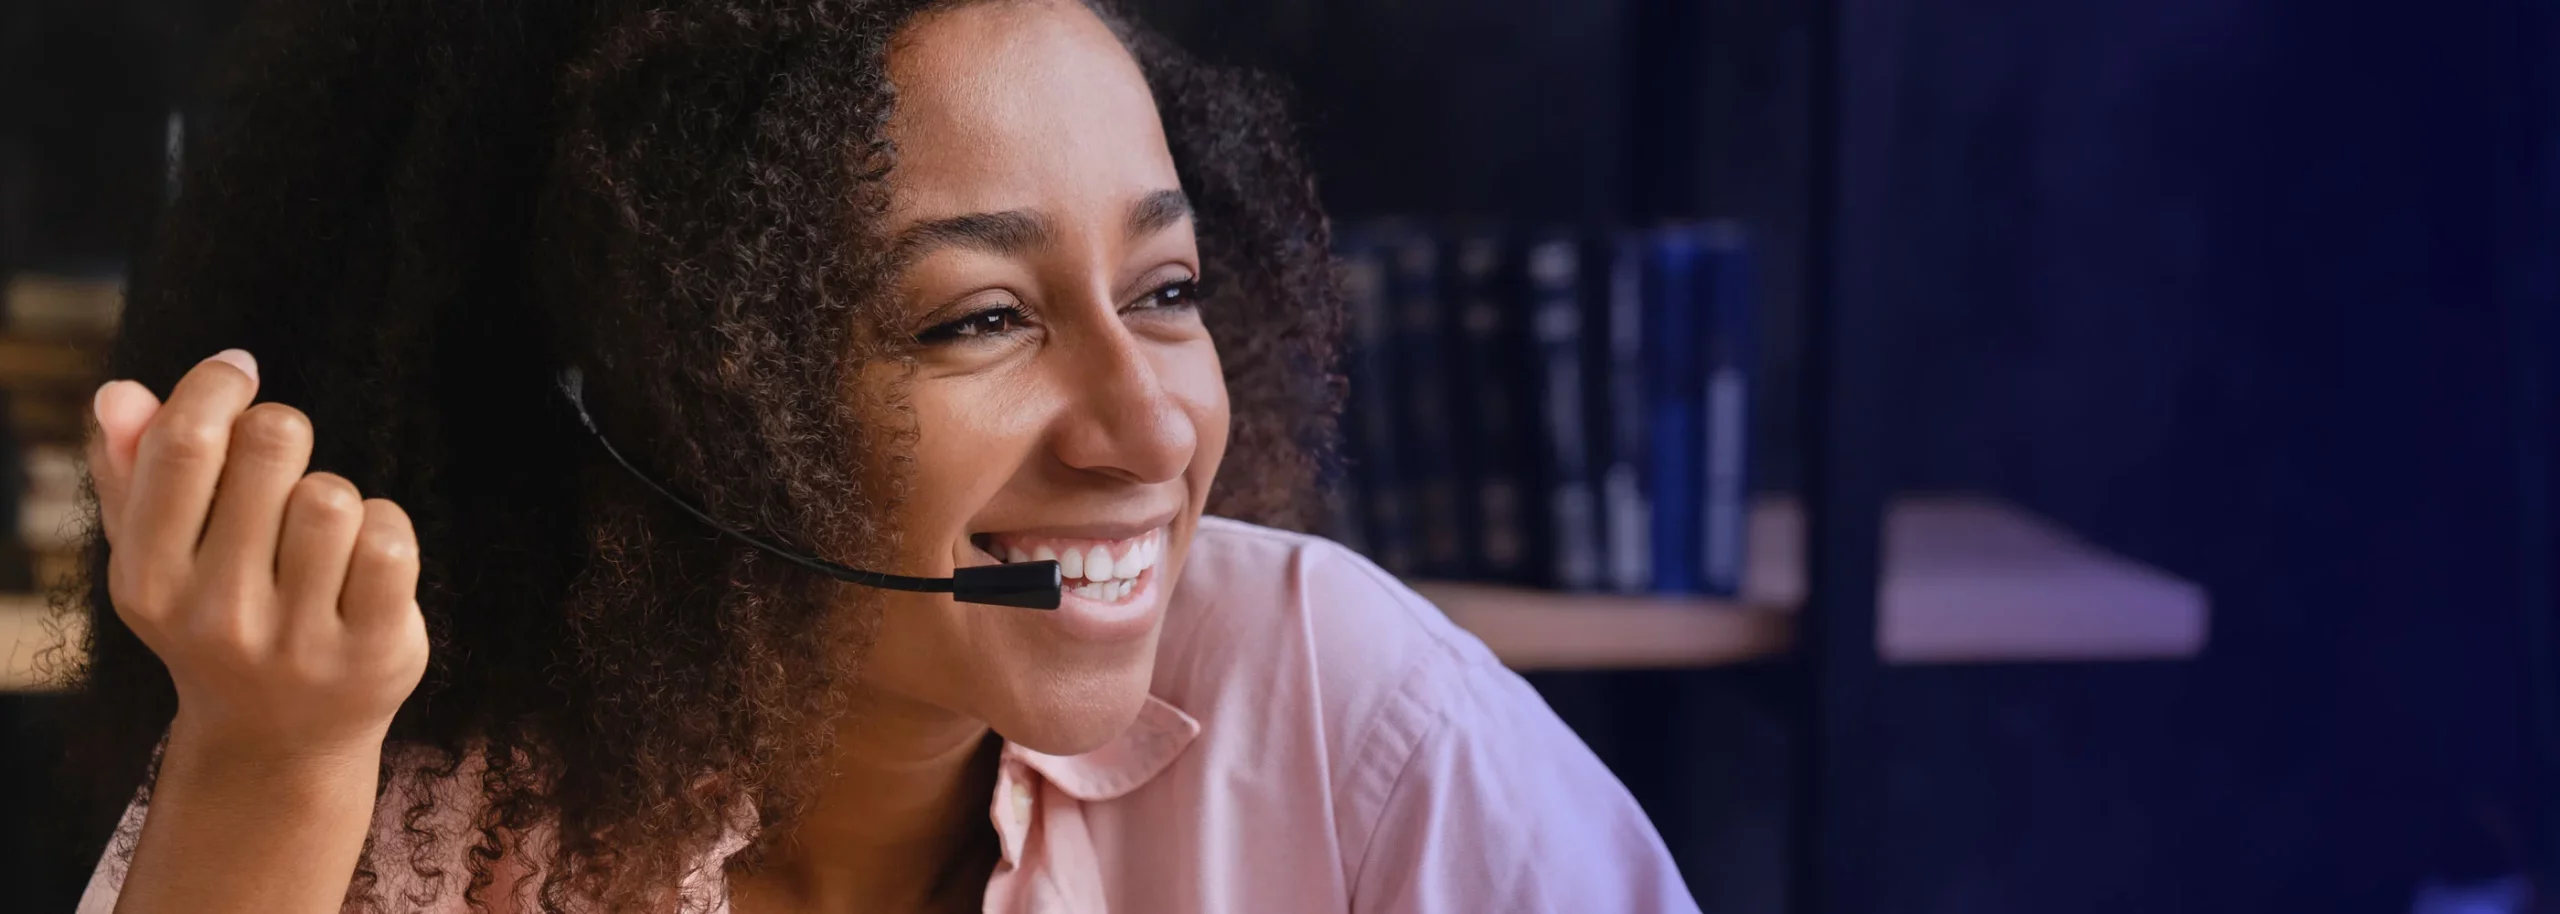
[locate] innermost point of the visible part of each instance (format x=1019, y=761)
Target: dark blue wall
x=2224, y=285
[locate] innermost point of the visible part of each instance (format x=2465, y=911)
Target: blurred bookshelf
x=54, y=330
x=53, y=336
x=1966, y=579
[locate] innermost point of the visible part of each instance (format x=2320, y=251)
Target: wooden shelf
x=1966, y=580
x=1540, y=630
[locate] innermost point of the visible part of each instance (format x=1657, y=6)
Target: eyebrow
x=1158, y=211
x=1015, y=231
x=1008, y=232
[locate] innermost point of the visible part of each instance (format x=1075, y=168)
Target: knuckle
x=272, y=429
x=400, y=647
x=185, y=439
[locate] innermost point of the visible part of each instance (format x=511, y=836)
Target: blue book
x=1622, y=453
x=1677, y=275
x=1727, y=344
x=1376, y=483
x=1696, y=293
x=1425, y=433
x=1489, y=402
x=1567, y=534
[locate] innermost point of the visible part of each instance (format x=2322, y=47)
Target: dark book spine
x=1675, y=286
x=1624, y=509
x=1489, y=403
x=1569, y=527
x=1426, y=431
x=1369, y=439
x=1728, y=344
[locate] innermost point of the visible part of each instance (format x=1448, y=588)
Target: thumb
x=122, y=410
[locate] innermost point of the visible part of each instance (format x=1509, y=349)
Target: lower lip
x=1087, y=619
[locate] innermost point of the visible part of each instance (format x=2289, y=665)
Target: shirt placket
x=1012, y=812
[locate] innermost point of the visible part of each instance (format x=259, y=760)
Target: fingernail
x=98, y=401
x=238, y=358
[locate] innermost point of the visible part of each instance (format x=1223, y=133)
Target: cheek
x=969, y=440
x=1201, y=384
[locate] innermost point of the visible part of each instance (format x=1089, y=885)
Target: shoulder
x=1292, y=617
x=1451, y=782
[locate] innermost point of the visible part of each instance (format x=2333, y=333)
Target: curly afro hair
x=416, y=211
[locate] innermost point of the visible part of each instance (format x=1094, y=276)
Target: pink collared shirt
x=1320, y=739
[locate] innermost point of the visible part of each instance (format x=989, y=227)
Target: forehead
x=1020, y=105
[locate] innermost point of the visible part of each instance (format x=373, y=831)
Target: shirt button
x=1022, y=802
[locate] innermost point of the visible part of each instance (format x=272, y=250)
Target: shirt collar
x=1149, y=746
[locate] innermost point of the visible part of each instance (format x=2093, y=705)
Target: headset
x=1029, y=585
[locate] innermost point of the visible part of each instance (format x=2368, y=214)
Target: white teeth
x=1105, y=576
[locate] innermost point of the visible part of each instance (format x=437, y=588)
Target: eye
x=1180, y=293
x=991, y=322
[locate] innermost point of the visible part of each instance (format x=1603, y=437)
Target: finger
x=180, y=458
x=382, y=570
x=270, y=447
x=119, y=412
x=322, y=516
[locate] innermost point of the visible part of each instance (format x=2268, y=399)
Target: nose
x=1121, y=421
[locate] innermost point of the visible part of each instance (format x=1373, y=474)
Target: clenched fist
x=283, y=602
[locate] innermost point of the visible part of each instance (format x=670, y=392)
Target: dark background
x=2264, y=292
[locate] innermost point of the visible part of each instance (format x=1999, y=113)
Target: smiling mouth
x=1103, y=570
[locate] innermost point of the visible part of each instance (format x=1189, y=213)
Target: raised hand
x=283, y=602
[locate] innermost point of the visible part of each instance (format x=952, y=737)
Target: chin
x=1075, y=713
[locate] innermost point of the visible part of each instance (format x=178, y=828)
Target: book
x=1726, y=346
x=1696, y=291
x=1370, y=465
x=1568, y=529
x=1620, y=450
x=1490, y=402
x=1427, y=436
x=1676, y=281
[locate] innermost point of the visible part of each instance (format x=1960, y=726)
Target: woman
x=914, y=286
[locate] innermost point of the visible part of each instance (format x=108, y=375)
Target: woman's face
x=1068, y=398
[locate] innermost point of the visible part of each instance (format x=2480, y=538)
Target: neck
x=900, y=824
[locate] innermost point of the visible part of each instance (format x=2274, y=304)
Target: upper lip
x=1091, y=530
